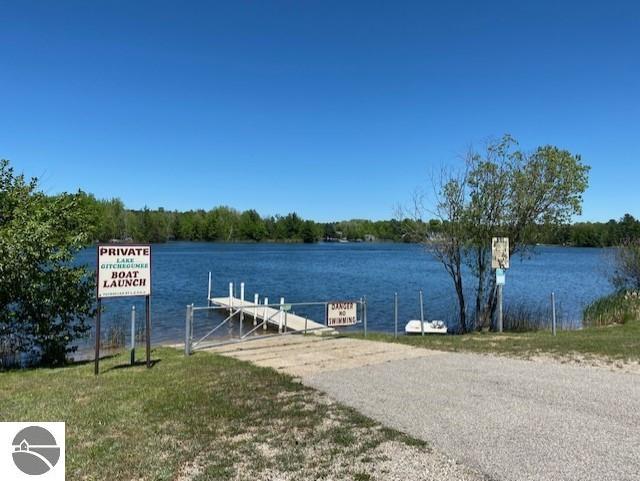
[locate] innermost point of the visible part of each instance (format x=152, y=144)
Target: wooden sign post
x=123, y=270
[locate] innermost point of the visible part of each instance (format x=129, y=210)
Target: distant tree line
x=113, y=221
x=596, y=234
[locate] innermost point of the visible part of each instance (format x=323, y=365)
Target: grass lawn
x=202, y=417
x=612, y=343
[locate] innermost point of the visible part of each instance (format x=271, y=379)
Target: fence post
x=421, y=313
x=395, y=314
x=191, y=311
x=241, y=306
x=133, y=335
x=553, y=313
x=187, y=332
x=281, y=315
x=209, y=291
x=230, y=297
x=256, y=299
x=264, y=317
x=365, y=315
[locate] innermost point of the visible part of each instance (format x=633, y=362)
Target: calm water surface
x=321, y=272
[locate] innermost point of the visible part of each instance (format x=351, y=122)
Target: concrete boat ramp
x=306, y=355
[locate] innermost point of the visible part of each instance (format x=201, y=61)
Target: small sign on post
x=500, y=253
x=500, y=277
x=123, y=270
x=342, y=313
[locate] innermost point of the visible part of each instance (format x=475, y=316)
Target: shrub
x=626, y=274
x=522, y=318
x=45, y=300
x=618, y=308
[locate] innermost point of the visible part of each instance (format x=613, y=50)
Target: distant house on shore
x=369, y=238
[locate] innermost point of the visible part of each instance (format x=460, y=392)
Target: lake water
x=328, y=271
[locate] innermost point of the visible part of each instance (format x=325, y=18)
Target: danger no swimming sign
x=342, y=313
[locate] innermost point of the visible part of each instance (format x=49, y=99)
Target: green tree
x=502, y=191
x=252, y=226
x=310, y=231
x=513, y=193
x=626, y=274
x=45, y=300
x=227, y=221
x=152, y=227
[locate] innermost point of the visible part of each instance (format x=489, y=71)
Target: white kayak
x=430, y=327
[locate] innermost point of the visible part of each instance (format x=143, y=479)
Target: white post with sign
x=124, y=270
x=500, y=262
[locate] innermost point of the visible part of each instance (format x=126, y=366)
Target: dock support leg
x=241, y=306
x=281, y=315
x=264, y=316
x=256, y=299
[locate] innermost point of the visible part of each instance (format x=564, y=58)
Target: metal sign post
x=553, y=313
x=421, y=314
x=500, y=262
x=148, y=329
x=187, y=331
x=133, y=335
x=395, y=314
x=123, y=270
x=500, y=281
x=96, y=366
x=364, y=320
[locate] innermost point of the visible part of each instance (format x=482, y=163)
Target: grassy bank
x=203, y=417
x=618, y=342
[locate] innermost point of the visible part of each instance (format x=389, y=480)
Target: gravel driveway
x=510, y=419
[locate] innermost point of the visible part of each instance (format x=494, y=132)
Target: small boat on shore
x=430, y=327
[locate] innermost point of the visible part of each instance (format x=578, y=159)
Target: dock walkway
x=283, y=320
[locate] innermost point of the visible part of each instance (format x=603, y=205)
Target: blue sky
x=331, y=109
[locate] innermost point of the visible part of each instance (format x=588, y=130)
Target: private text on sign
x=342, y=313
x=124, y=270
